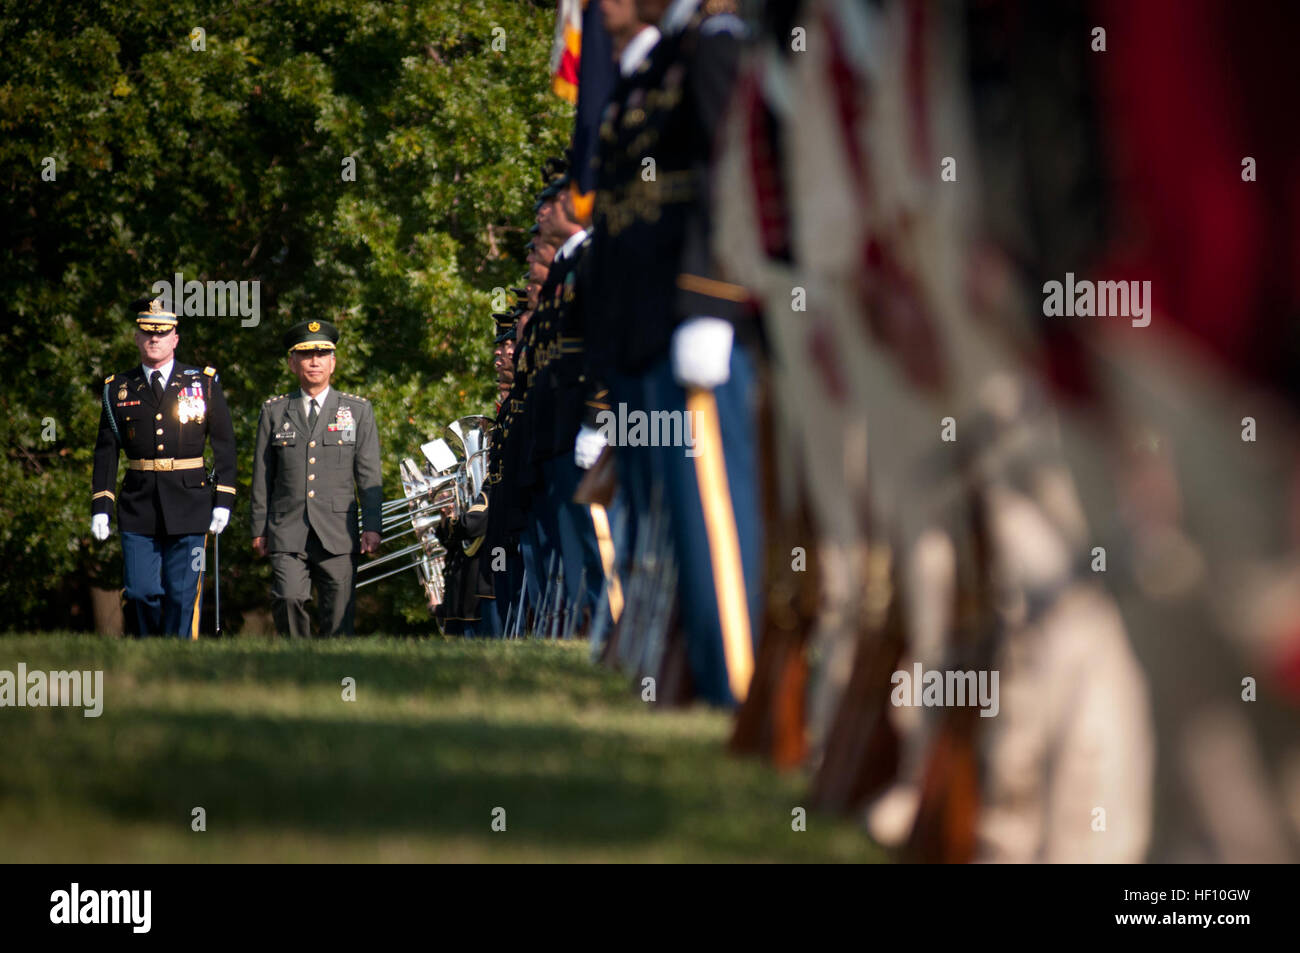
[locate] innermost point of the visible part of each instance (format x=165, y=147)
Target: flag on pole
x=595, y=84
x=566, y=50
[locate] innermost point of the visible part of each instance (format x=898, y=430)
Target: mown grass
x=441, y=733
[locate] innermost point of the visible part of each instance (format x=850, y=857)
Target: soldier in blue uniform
x=161, y=413
x=559, y=391
x=674, y=336
x=506, y=515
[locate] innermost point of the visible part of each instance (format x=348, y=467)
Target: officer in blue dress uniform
x=161, y=413
x=673, y=335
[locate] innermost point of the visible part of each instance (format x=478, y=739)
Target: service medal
x=190, y=405
x=121, y=394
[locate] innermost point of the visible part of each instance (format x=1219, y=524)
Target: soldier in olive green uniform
x=317, y=453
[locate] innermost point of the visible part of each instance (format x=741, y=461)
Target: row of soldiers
x=624, y=318
x=811, y=263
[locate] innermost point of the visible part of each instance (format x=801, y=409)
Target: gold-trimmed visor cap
x=311, y=336
x=155, y=320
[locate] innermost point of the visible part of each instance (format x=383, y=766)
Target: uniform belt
x=166, y=463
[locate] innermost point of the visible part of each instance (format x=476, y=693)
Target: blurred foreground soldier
x=161, y=413
x=317, y=452
x=978, y=565
x=677, y=336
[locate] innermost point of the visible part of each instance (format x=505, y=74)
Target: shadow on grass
x=560, y=786
x=430, y=771
x=435, y=666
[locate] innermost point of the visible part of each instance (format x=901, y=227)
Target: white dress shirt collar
x=570, y=243
x=165, y=371
x=320, y=401
x=637, y=49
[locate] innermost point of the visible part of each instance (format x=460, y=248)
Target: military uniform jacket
x=652, y=264
x=163, y=501
x=312, y=480
x=557, y=391
x=511, y=472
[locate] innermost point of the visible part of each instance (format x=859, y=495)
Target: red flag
x=566, y=51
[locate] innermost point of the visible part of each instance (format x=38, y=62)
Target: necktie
x=311, y=417
x=156, y=381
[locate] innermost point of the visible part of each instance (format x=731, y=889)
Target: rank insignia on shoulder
x=109, y=378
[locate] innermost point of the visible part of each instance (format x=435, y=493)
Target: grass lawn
x=441, y=733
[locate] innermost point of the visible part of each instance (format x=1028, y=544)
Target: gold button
x=159, y=431
x=311, y=492
x=312, y=444
x=311, y=459
x=157, y=417
x=311, y=476
x=160, y=446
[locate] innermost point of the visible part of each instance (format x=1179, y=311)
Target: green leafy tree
x=221, y=155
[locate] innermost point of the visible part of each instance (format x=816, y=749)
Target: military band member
x=503, y=363
x=160, y=414
x=317, y=452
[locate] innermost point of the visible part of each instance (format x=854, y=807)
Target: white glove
x=220, y=517
x=588, y=446
x=702, y=352
x=99, y=526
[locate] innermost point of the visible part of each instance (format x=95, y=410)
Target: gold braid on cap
x=156, y=311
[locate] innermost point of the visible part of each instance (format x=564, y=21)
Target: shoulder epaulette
x=353, y=396
x=109, y=378
x=271, y=400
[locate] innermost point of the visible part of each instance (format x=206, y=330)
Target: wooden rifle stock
x=772, y=722
x=947, y=817
x=862, y=748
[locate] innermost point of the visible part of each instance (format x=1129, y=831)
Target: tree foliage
x=226, y=164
